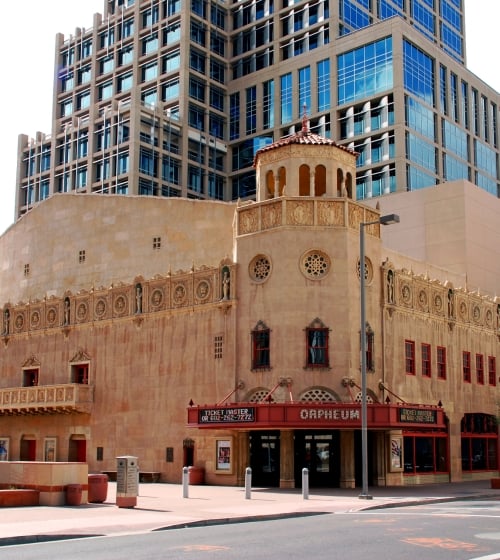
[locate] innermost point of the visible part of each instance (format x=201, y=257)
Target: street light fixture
x=385, y=221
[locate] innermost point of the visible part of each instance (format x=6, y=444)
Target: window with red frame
x=492, y=371
x=410, y=357
x=441, y=362
x=466, y=367
x=317, y=338
x=260, y=347
x=479, y=442
x=426, y=360
x=480, y=369
x=370, y=348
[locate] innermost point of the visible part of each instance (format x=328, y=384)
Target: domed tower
x=305, y=164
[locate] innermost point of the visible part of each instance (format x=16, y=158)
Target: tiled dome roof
x=304, y=137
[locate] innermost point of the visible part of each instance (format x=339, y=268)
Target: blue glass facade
x=418, y=69
x=365, y=72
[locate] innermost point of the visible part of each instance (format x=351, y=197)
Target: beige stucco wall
x=116, y=233
x=454, y=226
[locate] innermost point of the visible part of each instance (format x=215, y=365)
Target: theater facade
x=222, y=336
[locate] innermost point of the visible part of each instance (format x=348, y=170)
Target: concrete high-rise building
x=165, y=98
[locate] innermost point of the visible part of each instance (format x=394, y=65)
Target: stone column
x=287, y=463
x=242, y=456
x=347, y=474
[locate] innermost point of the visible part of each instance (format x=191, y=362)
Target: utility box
x=127, y=481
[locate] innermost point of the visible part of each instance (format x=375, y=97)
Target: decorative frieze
x=418, y=293
x=162, y=293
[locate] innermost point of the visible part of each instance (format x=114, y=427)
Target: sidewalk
x=160, y=506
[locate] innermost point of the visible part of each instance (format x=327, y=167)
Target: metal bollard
x=248, y=483
x=305, y=483
x=185, y=482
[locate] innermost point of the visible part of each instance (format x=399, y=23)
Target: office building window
x=304, y=90
x=268, y=104
x=197, y=61
x=323, y=85
x=365, y=71
x=84, y=75
x=216, y=98
x=196, y=117
x=150, y=71
x=172, y=33
x=105, y=90
x=150, y=44
x=171, y=90
x=107, y=64
x=234, y=116
x=66, y=107
x=217, y=71
x=286, y=98
x=418, y=73
x=195, y=179
x=127, y=28
x=197, y=89
x=251, y=110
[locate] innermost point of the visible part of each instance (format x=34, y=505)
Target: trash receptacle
x=98, y=488
x=73, y=494
x=196, y=475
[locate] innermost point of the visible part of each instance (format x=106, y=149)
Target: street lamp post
x=385, y=221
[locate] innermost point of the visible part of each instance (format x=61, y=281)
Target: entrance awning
x=258, y=416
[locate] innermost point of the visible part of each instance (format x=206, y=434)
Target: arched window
x=270, y=184
x=282, y=180
x=320, y=180
x=340, y=180
x=304, y=180
x=348, y=185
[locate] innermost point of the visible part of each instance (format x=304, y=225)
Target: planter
x=73, y=494
x=19, y=497
x=196, y=475
x=98, y=488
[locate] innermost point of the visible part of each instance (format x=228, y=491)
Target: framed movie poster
x=223, y=458
x=396, y=452
x=49, y=449
x=4, y=448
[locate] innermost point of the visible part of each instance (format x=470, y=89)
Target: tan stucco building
x=227, y=335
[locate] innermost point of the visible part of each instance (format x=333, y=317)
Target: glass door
x=265, y=458
x=319, y=453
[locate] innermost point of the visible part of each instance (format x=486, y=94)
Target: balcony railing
x=72, y=398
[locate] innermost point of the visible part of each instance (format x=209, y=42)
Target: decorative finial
x=305, y=126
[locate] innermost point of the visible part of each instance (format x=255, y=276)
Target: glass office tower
x=174, y=97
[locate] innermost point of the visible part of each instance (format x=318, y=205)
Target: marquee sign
x=417, y=415
x=225, y=415
x=291, y=415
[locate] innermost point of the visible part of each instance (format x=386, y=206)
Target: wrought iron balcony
x=71, y=398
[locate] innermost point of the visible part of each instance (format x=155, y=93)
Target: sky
x=28, y=38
